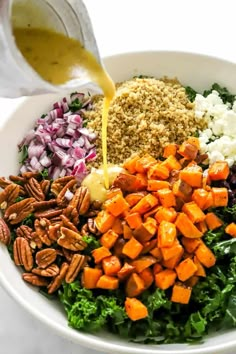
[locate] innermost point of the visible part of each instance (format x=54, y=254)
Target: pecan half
x=35, y=241
x=49, y=214
x=76, y=264
x=92, y=227
x=35, y=279
x=71, y=240
x=45, y=204
x=67, y=223
x=17, y=179
x=5, y=234
x=59, y=183
x=4, y=182
x=84, y=200
x=51, y=271
x=41, y=228
x=57, y=281
x=27, y=175
x=22, y=253
x=53, y=232
x=19, y=211
x=24, y=231
x=45, y=257
x=34, y=189
x=45, y=186
x=72, y=214
x=67, y=254
x=61, y=199
x=9, y=195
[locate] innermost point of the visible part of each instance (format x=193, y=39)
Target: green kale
x=29, y=220
x=44, y=173
x=75, y=105
x=224, y=93
x=87, y=311
x=19, y=199
x=92, y=243
x=23, y=154
x=191, y=93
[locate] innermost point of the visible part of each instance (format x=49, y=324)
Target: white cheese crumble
x=219, y=139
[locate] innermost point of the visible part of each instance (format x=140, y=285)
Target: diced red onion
x=68, y=195
x=91, y=155
x=63, y=142
x=45, y=161
x=35, y=150
x=55, y=173
x=35, y=164
x=76, y=119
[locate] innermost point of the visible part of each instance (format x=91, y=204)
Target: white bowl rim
x=81, y=337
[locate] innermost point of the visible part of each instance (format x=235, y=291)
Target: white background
x=204, y=26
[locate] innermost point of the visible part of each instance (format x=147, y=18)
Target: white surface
x=204, y=26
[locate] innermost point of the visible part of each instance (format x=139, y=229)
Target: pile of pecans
x=49, y=250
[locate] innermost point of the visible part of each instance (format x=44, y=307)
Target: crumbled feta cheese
x=219, y=139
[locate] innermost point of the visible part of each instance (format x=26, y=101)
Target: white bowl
x=195, y=70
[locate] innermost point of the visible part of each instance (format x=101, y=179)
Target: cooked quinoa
x=145, y=115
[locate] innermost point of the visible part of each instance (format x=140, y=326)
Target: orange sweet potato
x=90, y=277
x=165, y=279
x=212, y=221
x=127, y=232
x=166, y=197
x=148, y=246
x=194, y=141
x=118, y=247
x=154, y=185
x=143, y=262
x=157, y=268
x=219, y=170
x=186, y=227
x=169, y=252
x=147, y=277
x=187, y=150
x=128, y=183
x=132, y=248
x=190, y=244
x=186, y=269
x=192, y=175
x=171, y=163
x=145, y=204
x=135, y=309
x=125, y=271
x=144, y=163
x=112, y=192
x=200, y=272
x=111, y=265
x=172, y=262
x=116, y=205
x=146, y=230
x=134, y=220
x=192, y=281
x=134, y=285
x=100, y=253
x=108, y=282
x=165, y=214
x=170, y=149
x=151, y=212
x=134, y=198
x=166, y=234
x=202, y=226
x=220, y=197
x=193, y=211
x=182, y=190
x=199, y=196
x=117, y=226
x=209, y=202
x=181, y=294
x=109, y=239
x=130, y=164
x=205, y=255
x=104, y=221
x=231, y=229
x=142, y=180
x=158, y=171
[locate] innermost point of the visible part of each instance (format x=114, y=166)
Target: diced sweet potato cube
x=166, y=197
x=148, y=246
x=109, y=239
x=181, y=294
x=134, y=285
x=144, y=163
x=111, y=265
x=154, y=185
x=166, y=214
x=205, y=255
x=202, y=226
x=192, y=175
x=165, y=279
x=147, y=276
x=166, y=234
x=132, y=248
x=116, y=205
x=186, y=269
x=145, y=204
x=193, y=211
x=134, y=198
x=143, y=262
x=219, y=170
x=100, y=253
x=157, y=268
x=212, y=221
x=199, y=196
x=128, y=183
x=186, y=227
x=231, y=229
x=104, y=221
x=220, y=196
x=134, y=220
x=127, y=232
x=200, y=272
x=130, y=164
x=172, y=262
x=169, y=252
x=171, y=163
x=125, y=271
x=112, y=192
x=190, y=244
x=90, y=277
x=117, y=226
x=182, y=190
x=108, y=282
x=189, y=151
x=135, y=309
x=170, y=149
x=158, y=171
